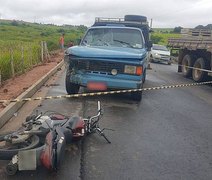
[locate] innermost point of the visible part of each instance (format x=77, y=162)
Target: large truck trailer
x=195, y=53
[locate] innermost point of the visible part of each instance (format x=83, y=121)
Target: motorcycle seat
x=72, y=122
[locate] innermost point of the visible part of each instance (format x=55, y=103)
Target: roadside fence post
x=47, y=57
x=22, y=59
x=31, y=55
x=42, y=58
x=12, y=63
x=45, y=50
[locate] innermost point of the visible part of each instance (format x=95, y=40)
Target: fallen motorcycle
x=42, y=140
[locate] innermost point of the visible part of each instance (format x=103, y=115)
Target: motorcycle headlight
x=138, y=70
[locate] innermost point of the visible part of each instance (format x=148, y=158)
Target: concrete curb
x=9, y=111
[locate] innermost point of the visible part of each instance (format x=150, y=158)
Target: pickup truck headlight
x=157, y=55
x=137, y=70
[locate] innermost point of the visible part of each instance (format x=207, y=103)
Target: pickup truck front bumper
x=112, y=82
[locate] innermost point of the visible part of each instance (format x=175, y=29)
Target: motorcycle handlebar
x=33, y=120
x=99, y=111
x=98, y=114
x=99, y=106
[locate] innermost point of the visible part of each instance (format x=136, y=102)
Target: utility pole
x=151, y=24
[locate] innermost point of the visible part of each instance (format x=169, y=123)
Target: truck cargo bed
x=190, y=43
x=192, y=39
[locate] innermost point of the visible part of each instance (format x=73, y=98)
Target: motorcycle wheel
x=8, y=150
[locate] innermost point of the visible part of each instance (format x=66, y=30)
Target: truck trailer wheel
x=71, y=88
x=199, y=75
x=187, y=61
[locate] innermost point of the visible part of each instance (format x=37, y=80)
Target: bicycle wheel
x=8, y=150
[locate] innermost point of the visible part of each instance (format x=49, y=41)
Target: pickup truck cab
x=110, y=56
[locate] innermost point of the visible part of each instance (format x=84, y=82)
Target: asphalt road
x=167, y=136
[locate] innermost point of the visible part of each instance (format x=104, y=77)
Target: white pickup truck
x=160, y=53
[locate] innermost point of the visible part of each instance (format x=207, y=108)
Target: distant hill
x=208, y=27
x=21, y=31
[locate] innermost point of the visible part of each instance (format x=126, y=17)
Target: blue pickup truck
x=112, y=55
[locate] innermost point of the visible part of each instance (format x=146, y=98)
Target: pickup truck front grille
x=100, y=66
x=164, y=56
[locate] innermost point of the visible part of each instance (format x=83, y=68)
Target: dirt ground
x=12, y=88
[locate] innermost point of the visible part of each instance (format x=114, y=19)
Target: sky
x=164, y=13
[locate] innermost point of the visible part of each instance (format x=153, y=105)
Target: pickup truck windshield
x=159, y=47
x=116, y=37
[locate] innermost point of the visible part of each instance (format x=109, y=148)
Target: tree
x=82, y=28
x=156, y=39
x=200, y=27
x=177, y=29
x=208, y=27
x=14, y=23
x=61, y=30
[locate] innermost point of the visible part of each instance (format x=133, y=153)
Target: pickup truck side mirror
x=149, y=46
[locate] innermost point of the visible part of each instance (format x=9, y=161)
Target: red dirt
x=12, y=88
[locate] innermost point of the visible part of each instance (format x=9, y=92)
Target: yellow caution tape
x=199, y=69
x=105, y=93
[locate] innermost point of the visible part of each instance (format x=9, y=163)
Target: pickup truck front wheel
x=137, y=96
x=71, y=88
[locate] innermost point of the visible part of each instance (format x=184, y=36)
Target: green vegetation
x=18, y=57
x=34, y=32
x=20, y=43
x=161, y=36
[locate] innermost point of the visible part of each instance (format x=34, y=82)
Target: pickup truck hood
x=107, y=52
x=161, y=52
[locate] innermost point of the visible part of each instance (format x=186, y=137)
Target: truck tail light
x=139, y=70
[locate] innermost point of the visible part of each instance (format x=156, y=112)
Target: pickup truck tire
x=136, y=18
x=71, y=88
x=151, y=58
x=137, y=96
x=199, y=75
x=144, y=77
x=188, y=60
